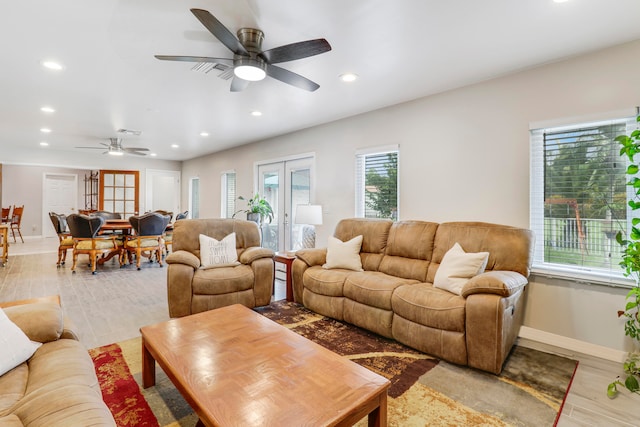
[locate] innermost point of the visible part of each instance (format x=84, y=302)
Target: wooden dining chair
x=86, y=240
x=16, y=219
x=148, y=239
x=59, y=222
x=6, y=212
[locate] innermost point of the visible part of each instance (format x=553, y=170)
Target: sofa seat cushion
x=326, y=282
x=224, y=280
x=12, y=387
x=373, y=288
x=426, y=305
x=60, y=363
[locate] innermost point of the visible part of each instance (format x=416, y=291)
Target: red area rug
x=120, y=390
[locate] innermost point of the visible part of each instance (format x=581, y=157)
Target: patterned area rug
x=424, y=390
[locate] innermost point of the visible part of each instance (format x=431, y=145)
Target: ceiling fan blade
x=137, y=153
x=297, y=50
x=135, y=149
x=92, y=148
x=220, y=31
x=226, y=61
x=238, y=84
x=291, y=78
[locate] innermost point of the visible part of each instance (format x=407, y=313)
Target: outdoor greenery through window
x=579, y=197
x=377, y=183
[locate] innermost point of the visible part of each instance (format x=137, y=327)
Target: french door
x=285, y=184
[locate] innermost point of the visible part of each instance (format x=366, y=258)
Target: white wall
x=464, y=155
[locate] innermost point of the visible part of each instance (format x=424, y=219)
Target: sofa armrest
x=41, y=322
x=253, y=253
x=314, y=256
x=502, y=283
x=183, y=257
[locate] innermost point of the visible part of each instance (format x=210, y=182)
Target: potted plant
x=258, y=209
x=631, y=265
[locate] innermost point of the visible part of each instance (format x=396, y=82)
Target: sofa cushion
x=409, y=249
x=326, y=282
x=216, y=281
x=373, y=288
x=426, y=305
x=374, y=234
x=344, y=254
x=12, y=387
x=15, y=346
x=457, y=267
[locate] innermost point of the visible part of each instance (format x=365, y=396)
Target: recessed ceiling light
x=52, y=65
x=560, y=1
x=256, y=113
x=204, y=134
x=45, y=130
x=153, y=154
x=348, y=77
x=44, y=144
x=47, y=110
x=175, y=146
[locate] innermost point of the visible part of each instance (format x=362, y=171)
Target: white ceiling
x=401, y=49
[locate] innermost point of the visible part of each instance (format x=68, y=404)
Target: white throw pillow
x=344, y=254
x=457, y=267
x=214, y=253
x=15, y=346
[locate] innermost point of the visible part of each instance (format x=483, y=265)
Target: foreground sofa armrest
x=502, y=283
x=305, y=258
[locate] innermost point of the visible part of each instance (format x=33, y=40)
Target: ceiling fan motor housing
x=251, y=39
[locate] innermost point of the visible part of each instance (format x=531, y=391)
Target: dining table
x=114, y=225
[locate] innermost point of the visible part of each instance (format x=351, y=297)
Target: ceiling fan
x=115, y=148
x=251, y=63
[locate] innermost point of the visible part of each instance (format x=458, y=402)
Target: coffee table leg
x=378, y=417
x=148, y=367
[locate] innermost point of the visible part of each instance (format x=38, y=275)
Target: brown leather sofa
x=57, y=386
x=394, y=296
x=193, y=290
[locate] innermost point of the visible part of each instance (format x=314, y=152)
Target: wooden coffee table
x=236, y=367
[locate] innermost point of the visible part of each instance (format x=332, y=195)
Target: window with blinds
x=579, y=198
x=377, y=183
x=228, y=194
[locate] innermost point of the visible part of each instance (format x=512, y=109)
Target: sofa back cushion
x=509, y=248
x=409, y=249
x=186, y=233
x=374, y=234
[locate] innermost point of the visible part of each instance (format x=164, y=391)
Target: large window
x=579, y=198
x=377, y=183
x=194, y=198
x=228, y=192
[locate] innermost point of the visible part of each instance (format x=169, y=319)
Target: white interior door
x=162, y=191
x=285, y=185
x=60, y=195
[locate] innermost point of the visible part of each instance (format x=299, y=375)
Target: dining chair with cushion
x=168, y=235
x=147, y=240
x=86, y=240
x=59, y=222
x=16, y=219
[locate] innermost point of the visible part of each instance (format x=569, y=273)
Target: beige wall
x=464, y=155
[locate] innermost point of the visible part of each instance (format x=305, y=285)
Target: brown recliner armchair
x=192, y=289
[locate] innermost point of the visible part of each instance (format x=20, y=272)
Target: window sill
x=584, y=277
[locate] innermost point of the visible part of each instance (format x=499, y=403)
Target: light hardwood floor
x=112, y=305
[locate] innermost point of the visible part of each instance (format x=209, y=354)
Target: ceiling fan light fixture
x=249, y=69
x=116, y=153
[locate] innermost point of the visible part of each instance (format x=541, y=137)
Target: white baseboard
x=567, y=346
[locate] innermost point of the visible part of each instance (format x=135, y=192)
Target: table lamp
x=308, y=215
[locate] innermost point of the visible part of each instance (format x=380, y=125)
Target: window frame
x=224, y=194
x=580, y=274
x=360, y=192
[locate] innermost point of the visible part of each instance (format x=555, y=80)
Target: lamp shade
x=309, y=214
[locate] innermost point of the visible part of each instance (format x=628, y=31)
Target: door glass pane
x=271, y=186
x=119, y=180
x=301, y=234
